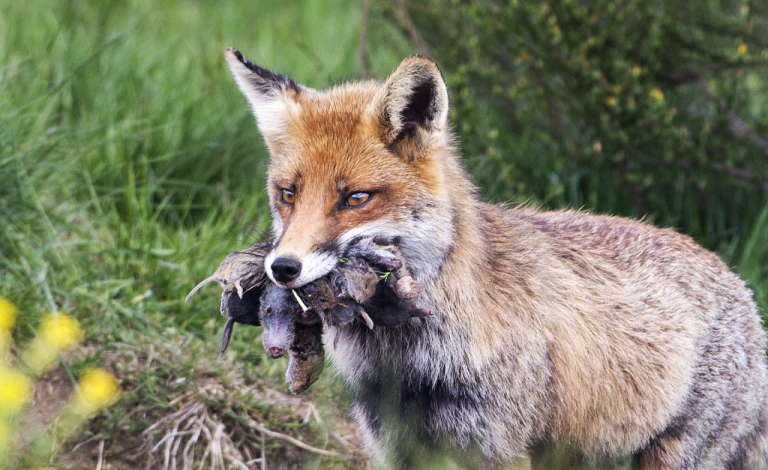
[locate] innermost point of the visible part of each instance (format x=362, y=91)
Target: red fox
x=613, y=337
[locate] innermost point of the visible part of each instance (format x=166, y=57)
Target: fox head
x=364, y=159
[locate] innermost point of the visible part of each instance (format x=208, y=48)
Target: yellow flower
x=741, y=49
x=657, y=94
x=61, y=331
x=7, y=314
x=636, y=70
x=610, y=101
x=15, y=391
x=98, y=389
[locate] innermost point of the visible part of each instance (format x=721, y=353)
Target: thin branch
x=101, y=455
x=693, y=74
x=407, y=22
x=740, y=174
x=362, y=43
x=726, y=170
x=264, y=430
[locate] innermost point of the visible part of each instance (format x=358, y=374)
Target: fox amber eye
x=357, y=199
x=288, y=197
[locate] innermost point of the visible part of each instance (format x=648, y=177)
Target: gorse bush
x=630, y=107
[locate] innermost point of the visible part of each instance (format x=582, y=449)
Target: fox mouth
x=313, y=267
x=318, y=264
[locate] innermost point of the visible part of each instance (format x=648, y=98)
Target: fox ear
x=410, y=110
x=272, y=96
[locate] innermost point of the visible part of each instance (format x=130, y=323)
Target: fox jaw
x=360, y=160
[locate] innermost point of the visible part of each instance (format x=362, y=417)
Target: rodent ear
x=410, y=110
x=272, y=96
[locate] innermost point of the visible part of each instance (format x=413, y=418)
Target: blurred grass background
x=130, y=165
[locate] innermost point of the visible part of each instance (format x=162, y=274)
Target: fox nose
x=285, y=269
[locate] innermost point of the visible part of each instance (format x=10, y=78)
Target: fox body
x=608, y=335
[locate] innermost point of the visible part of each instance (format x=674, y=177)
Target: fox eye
x=357, y=199
x=288, y=196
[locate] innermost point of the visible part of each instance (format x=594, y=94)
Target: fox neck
x=447, y=234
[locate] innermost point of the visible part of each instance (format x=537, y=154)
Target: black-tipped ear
x=262, y=80
x=272, y=96
x=411, y=108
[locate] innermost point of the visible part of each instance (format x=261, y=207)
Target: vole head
x=278, y=313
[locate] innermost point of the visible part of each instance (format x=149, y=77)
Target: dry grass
x=208, y=413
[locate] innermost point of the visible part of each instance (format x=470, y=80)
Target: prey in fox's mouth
x=371, y=285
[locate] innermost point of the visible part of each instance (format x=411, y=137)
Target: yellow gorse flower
x=657, y=94
x=58, y=332
x=741, y=49
x=61, y=331
x=98, y=389
x=15, y=391
x=7, y=314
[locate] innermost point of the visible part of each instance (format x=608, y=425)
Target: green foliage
x=633, y=92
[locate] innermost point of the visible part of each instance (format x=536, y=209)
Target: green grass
x=130, y=165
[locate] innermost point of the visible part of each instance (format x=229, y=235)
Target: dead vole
x=307, y=357
x=240, y=272
x=371, y=284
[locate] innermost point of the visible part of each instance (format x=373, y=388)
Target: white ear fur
x=413, y=97
x=270, y=94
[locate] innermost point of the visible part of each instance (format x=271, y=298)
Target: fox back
x=610, y=336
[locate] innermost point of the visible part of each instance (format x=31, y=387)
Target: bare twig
x=362, y=43
x=723, y=169
x=296, y=442
x=693, y=74
x=101, y=455
x=401, y=10
x=263, y=451
x=740, y=174
x=77, y=446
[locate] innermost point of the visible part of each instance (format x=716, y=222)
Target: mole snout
x=278, y=314
x=276, y=352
